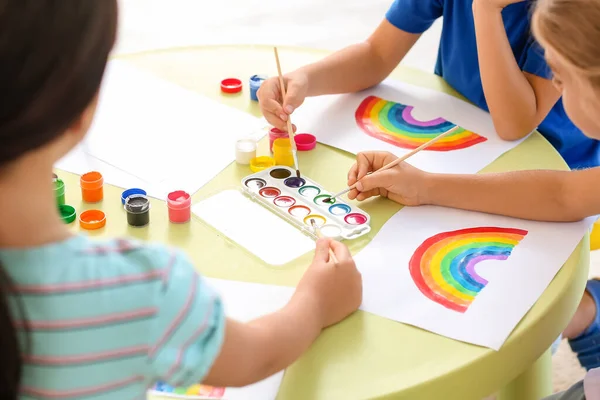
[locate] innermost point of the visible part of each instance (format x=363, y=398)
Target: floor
x=151, y=24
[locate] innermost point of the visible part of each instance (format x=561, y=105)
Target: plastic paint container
x=67, y=213
x=59, y=191
x=92, y=219
x=282, y=152
x=261, y=163
x=255, y=82
x=245, y=151
x=231, y=85
x=138, y=210
x=179, y=204
x=275, y=134
x=305, y=141
x=131, y=192
x=92, y=187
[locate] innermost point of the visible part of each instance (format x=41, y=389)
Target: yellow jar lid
x=258, y=164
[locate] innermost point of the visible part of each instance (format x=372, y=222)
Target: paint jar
x=92, y=187
x=138, y=210
x=282, y=152
x=255, y=82
x=275, y=134
x=179, y=204
x=59, y=191
x=245, y=151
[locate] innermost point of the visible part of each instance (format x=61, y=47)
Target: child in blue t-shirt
x=486, y=53
x=105, y=320
x=569, y=32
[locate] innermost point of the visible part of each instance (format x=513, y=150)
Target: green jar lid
x=67, y=213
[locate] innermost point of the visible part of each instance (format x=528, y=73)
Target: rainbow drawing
x=393, y=123
x=443, y=267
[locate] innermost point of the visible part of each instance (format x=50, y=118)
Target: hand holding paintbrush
x=399, y=160
x=320, y=235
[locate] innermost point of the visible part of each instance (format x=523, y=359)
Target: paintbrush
x=320, y=235
x=398, y=160
x=289, y=120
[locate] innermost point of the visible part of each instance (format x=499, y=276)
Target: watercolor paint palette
x=194, y=392
x=300, y=200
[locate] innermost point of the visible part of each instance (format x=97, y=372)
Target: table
x=365, y=356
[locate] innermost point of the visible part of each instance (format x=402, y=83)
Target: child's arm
x=256, y=350
x=518, y=101
x=354, y=68
x=361, y=65
x=536, y=195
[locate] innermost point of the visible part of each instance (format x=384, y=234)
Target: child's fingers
x=352, y=174
x=367, y=195
x=271, y=105
x=353, y=194
x=340, y=250
x=364, y=165
x=275, y=120
x=322, y=250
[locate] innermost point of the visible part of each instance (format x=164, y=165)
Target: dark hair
x=53, y=54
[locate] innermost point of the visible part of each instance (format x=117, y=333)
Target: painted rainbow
x=443, y=267
x=393, y=123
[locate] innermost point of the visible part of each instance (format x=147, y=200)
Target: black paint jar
x=138, y=210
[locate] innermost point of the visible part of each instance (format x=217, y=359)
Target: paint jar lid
x=67, y=213
x=231, y=85
x=92, y=219
x=131, y=192
x=261, y=163
x=305, y=141
x=91, y=180
x=137, y=204
x=179, y=200
x=257, y=80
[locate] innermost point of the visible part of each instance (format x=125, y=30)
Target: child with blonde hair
x=569, y=31
x=105, y=320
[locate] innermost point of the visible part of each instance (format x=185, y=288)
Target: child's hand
x=403, y=183
x=336, y=288
x=275, y=109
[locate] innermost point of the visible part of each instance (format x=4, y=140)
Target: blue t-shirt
x=457, y=63
x=107, y=320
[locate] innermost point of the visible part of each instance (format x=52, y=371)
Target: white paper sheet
x=156, y=135
x=253, y=227
x=333, y=120
x=513, y=284
x=244, y=302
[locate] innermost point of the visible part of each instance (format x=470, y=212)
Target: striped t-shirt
x=109, y=319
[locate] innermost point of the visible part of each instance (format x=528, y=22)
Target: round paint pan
x=255, y=184
x=324, y=200
x=284, y=201
x=331, y=231
x=355, y=219
x=280, y=173
x=294, y=182
x=299, y=211
x=309, y=191
x=319, y=220
x=269, y=192
x=339, y=209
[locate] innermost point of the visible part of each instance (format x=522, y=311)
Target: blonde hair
x=571, y=28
